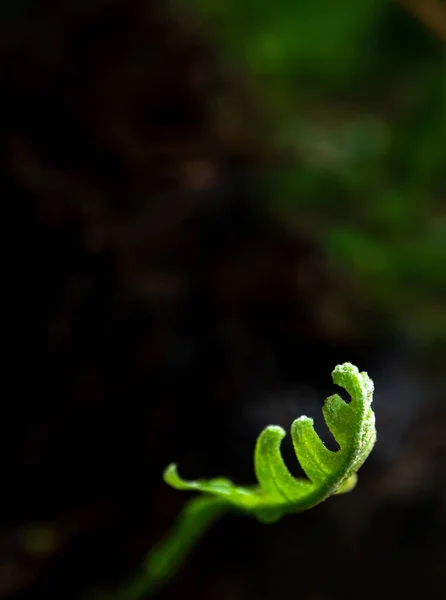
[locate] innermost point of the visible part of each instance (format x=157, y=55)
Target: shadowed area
x=165, y=300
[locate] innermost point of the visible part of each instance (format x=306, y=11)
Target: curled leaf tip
x=327, y=472
x=277, y=491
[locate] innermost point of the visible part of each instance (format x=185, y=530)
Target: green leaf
x=277, y=492
x=328, y=472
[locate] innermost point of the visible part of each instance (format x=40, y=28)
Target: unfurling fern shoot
x=278, y=492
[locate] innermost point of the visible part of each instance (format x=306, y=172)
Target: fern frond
x=277, y=492
x=328, y=472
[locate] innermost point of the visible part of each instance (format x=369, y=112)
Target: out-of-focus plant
x=355, y=93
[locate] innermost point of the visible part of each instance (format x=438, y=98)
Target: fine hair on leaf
x=277, y=492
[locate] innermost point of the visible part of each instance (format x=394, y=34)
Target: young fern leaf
x=328, y=472
x=277, y=492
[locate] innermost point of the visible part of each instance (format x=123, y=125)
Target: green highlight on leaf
x=278, y=493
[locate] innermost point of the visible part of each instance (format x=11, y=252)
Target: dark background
x=206, y=208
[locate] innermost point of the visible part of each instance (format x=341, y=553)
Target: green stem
x=164, y=560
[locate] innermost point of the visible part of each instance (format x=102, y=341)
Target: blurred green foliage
x=356, y=92
x=354, y=96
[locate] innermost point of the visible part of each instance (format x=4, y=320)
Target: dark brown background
x=154, y=313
